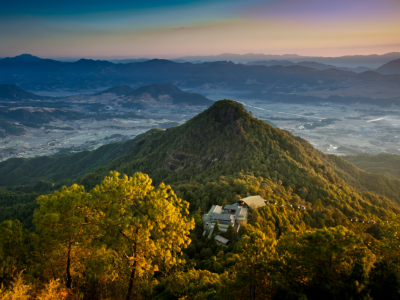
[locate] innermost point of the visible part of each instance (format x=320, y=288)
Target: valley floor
x=335, y=129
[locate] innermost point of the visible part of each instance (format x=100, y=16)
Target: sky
x=169, y=29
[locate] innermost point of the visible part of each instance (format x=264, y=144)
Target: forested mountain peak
x=233, y=152
x=224, y=112
x=223, y=154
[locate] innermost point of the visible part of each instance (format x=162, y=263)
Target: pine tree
x=216, y=227
x=230, y=233
x=151, y=225
x=63, y=220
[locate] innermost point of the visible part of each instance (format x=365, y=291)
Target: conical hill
x=224, y=153
x=218, y=157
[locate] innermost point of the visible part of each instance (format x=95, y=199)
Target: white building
x=232, y=214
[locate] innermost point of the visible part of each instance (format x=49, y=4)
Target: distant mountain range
x=152, y=94
x=268, y=82
x=350, y=61
x=156, y=94
x=127, y=60
x=27, y=63
x=308, y=64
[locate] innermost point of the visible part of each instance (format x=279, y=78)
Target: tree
x=193, y=284
x=230, y=233
x=384, y=281
x=12, y=251
x=295, y=200
x=64, y=221
x=216, y=227
x=320, y=261
x=254, y=251
x=318, y=205
x=385, y=276
x=199, y=222
x=150, y=226
x=356, y=286
x=391, y=240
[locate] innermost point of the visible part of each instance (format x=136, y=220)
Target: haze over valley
x=33, y=127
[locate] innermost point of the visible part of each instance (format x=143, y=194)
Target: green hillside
x=27, y=172
x=221, y=154
x=26, y=179
x=384, y=163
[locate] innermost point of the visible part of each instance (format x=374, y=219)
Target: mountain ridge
x=390, y=68
x=222, y=75
x=308, y=64
x=353, y=61
x=13, y=92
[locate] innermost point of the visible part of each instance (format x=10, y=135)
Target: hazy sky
x=106, y=29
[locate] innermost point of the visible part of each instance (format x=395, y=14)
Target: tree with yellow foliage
x=150, y=226
x=64, y=220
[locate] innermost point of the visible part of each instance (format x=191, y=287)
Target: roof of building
x=221, y=239
x=216, y=209
x=224, y=217
x=241, y=212
x=253, y=201
x=232, y=206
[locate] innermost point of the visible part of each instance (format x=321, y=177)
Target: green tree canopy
x=319, y=261
x=12, y=250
